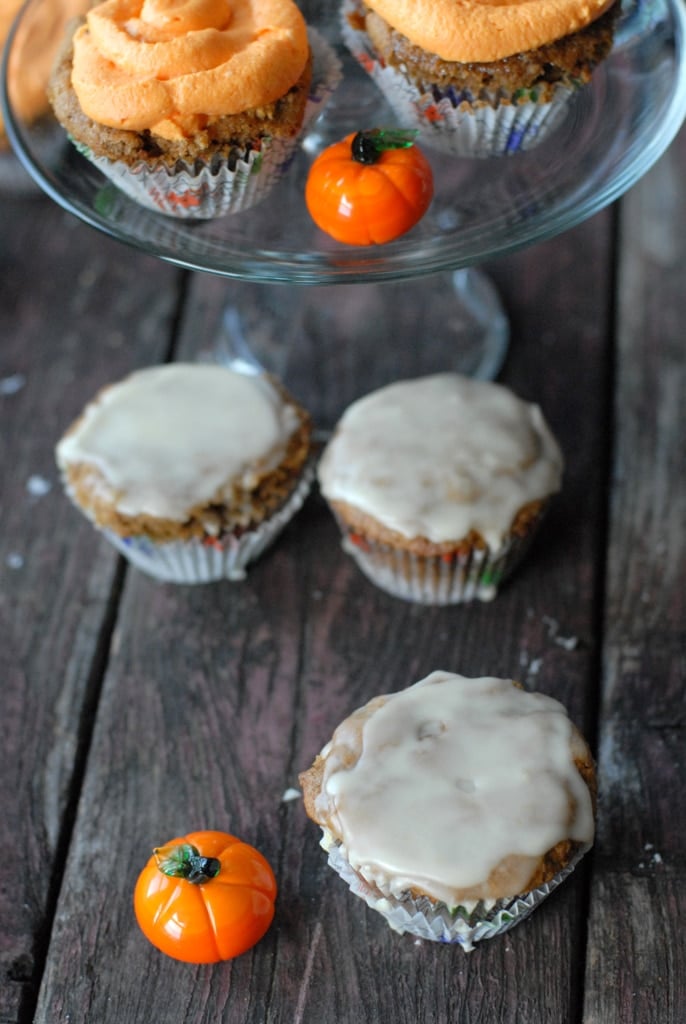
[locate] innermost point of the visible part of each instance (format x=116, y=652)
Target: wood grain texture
x=216, y=697
x=73, y=313
x=635, y=964
x=639, y=885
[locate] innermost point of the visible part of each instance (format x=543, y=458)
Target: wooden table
x=133, y=711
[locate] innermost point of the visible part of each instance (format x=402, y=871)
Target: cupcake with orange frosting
x=28, y=68
x=28, y=101
x=478, y=78
x=192, y=107
x=455, y=806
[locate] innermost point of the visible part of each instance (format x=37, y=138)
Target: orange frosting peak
x=176, y=16
x=169, y=65
x=486, y=30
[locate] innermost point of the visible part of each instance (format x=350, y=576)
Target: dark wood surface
x=133, y=711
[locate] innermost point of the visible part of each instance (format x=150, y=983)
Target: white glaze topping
x=172, y=437
x=455, y=775
x=441, y=455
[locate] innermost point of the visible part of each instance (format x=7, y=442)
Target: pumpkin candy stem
x=185, y=861
x=367, y=146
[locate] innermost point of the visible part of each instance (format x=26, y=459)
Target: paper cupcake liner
x=225, y=185
x=211, y=191
x=482, y=131
x=448, y=120
x=208, y=559
x=463, y=926
x=444, y=579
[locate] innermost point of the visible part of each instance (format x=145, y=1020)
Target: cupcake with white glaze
x=192, y=108
x=455, y=806
x=190, y=470
x=438, y=485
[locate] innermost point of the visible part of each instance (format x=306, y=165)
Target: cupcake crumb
x=570, y=643
x=37, y=486
x=11, y=385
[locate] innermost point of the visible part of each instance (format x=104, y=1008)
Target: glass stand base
x=339, y=334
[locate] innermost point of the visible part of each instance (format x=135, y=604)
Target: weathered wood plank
x=639, y=883
x=216, y=697
x=74, y=312
x=635, y=966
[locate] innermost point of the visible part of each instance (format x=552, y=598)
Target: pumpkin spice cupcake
x=190, y=470
x=27, y=92
x=478, y=78
x=34, y=44
x=192, y=108
x=454, y=807
x=438, y=485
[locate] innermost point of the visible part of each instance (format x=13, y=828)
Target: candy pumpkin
x=370, y=187
x=205, y=897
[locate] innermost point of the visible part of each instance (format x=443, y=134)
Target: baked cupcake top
x=168, y=65
x=170, y=439
x=440, y=456
x=458, y=789
x=486, y=30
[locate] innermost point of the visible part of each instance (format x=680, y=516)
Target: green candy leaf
x=185, y=861
x=367, y=146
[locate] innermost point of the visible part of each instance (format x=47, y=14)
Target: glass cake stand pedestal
x=422, y=290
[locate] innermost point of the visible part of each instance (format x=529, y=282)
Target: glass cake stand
x=422, y=289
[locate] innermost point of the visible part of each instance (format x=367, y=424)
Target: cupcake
x=190, y=470
x=28, y=68
x=480, y=79
x=438, y=485
x=455, y=806
x=192, y=109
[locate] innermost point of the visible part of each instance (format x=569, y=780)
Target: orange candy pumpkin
x=370, y=187
x=205, y=897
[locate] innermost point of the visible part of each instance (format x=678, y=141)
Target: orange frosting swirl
x=170, y=66
x=486, y=30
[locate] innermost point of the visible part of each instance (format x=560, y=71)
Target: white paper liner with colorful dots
x=463, y=926
x=449, y=121
x=472, y=575
x=210, y=191
x=226, y=185
x=209, y=559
